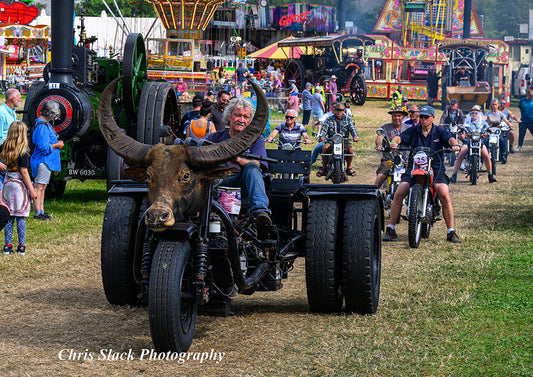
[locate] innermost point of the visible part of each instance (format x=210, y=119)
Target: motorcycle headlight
x=476, y=136
x=337, y=139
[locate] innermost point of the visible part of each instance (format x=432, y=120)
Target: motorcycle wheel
x=322, y=264
x=493, y=157
x=415, y=224
x=171, y=308
x=474, y=164
x=361, y=255
x=337, y=171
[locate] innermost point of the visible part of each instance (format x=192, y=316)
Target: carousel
x=179, y=55
x=23, y=48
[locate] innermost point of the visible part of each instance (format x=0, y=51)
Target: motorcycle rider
x=338, y=123
x=413, y=119
x=290, y=132
x=474, y=122
x=494, y=117
x=425, y=134
x=395, y=128
x=451, y=114
x=509, y=115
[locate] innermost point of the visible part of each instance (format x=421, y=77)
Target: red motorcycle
x=423, y=207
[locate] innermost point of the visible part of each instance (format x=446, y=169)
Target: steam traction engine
x=339, y=55
x=75, y=78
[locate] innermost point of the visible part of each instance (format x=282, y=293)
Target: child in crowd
x=18, y=189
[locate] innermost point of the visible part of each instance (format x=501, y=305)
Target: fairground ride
x=179, y=55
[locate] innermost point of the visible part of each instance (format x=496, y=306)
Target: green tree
x=128, y=8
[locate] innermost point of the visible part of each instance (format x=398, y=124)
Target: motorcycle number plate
x=337, y=149
x=493, y=139
x=398, y=174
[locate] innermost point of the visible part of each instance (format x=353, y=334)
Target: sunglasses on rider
x=413, y=112
x=289, y=117
x=424, y=117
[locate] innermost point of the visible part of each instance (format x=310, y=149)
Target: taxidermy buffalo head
x=178, y=175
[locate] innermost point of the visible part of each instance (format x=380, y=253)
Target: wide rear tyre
x=117, y=251
x=322, y=264
x=415, y=207
x=158, y=107
x=171, y=306
x=361, y=256
x=474, y=163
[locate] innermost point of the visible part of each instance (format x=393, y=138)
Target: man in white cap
x=425, y=134
x=474, y=122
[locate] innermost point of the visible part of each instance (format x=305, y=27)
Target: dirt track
x=53, y=301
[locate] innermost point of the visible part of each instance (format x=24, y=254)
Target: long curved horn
x=228, y=149
x=126, y=147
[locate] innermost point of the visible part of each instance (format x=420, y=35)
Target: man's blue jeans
x=250, y=180
x=316, y=152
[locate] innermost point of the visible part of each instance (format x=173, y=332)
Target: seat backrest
x=290, y=172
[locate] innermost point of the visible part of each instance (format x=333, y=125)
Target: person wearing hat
x=474, y=122
x=317, y=108
x=338, y=123
x=425, y=134
x=210, y=96
x=390, y=130
x=292, y=87
x=397, y=97
x=452, y=114
x=405, y=104
x=306, y=104
x=290, y=132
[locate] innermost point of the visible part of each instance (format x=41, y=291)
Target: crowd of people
x=217, y=118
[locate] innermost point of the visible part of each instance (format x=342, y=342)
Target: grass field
x=445, y=309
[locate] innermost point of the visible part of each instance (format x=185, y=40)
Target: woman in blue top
x=45, y=157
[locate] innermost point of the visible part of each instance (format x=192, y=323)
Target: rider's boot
x=453, y=178
x=491, y=178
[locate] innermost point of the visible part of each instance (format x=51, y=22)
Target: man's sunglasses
x=424, y=117
x=289, y=117
x=413, y=112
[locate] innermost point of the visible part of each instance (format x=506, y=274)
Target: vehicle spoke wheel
x=358, y=90
x=158, y=108
x=322, y=264
x=415, y=208
x=361, y=255
x=117, y=250
x=295, y=70
x=134, y=69
x=171, y=306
